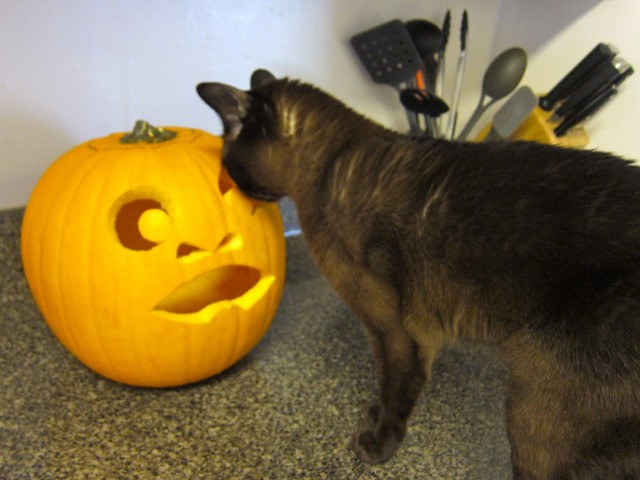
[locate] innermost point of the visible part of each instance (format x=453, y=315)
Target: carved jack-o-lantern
x=146, y=260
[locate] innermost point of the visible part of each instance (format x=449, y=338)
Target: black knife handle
x=605, y=75
x=591, y=104
x=589, y=109
x=601, y=53
x=617, y=81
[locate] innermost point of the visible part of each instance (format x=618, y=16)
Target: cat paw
x=372, y=450
x=377, y=441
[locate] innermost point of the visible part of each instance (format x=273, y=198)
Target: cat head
x=254, y=149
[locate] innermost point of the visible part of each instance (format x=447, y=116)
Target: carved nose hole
x=188, y=253
x=185, y=249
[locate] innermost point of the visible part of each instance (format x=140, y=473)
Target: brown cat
x=531, y=248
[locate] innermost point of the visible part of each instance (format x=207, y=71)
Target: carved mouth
x=204, y=296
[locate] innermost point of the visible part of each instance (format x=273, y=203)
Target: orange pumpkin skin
x=148, y=263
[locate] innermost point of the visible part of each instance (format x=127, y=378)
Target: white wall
x=73, y=70
x=557, y=35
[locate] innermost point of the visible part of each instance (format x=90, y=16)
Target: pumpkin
x=147, y=262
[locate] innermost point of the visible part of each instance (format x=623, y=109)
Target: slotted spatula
x=390, y=57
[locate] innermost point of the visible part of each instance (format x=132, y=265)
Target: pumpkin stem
x=145, y=132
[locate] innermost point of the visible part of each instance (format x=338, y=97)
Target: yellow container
x=538, y=128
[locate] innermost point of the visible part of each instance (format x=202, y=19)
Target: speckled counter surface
x=287, y=410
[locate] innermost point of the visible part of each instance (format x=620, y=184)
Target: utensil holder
x=538, y=128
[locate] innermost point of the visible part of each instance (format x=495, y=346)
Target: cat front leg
x=401, y=372
x=401, y=377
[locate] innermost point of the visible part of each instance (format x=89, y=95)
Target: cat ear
x=230, y=103
x=261, y=77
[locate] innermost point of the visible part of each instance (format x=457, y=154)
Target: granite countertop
x=287, y=410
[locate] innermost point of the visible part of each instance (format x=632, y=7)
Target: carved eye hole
x=142, y=224
x=225, y=182
x=230, y=243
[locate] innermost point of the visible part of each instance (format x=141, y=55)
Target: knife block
x=538, y=128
